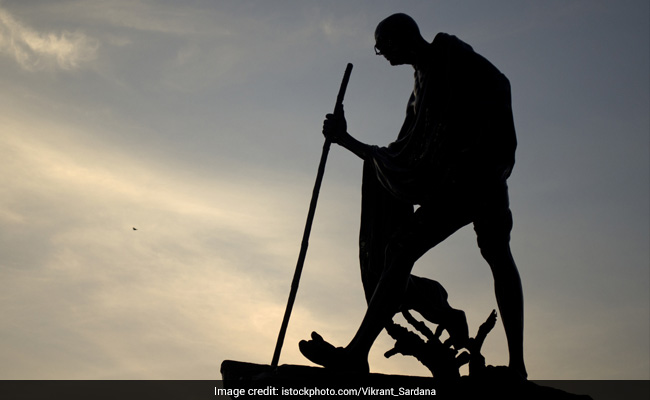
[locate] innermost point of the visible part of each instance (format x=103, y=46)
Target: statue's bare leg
x=493, y=235
x=384, y=303
x=510, y=299
x=427, y=228
x=427, y=297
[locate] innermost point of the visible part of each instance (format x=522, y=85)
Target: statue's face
x=391, y=52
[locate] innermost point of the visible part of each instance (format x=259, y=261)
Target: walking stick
x=310, y=219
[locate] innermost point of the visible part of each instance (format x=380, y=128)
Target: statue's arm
x=360, y=149
x=335, y=129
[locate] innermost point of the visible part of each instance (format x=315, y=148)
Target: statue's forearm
x=358, y=148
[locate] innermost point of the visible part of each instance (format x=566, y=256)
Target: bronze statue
x=452, y=158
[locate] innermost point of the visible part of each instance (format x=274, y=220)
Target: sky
x=198, y=123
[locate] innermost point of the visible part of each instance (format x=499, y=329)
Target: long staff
x=310, y=219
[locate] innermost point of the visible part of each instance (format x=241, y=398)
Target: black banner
x=207, y=390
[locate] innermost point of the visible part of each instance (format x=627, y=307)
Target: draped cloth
x=458, y=137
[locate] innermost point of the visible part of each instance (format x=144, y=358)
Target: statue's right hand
x=335, y=126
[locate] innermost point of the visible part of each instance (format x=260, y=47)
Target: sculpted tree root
x=439, y=357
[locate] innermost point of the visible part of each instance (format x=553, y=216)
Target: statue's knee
x=393, y=249
x=396, y=274
x=488, y=252
x=496, y=252
x=398, y=251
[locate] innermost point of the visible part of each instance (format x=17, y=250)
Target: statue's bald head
x=398, y=28
x=397, y=38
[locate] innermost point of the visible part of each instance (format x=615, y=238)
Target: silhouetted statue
x=452, y=157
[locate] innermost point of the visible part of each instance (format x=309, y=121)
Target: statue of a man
x=452, y=158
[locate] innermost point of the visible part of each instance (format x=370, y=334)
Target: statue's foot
x=318, y=351
x=519, y=369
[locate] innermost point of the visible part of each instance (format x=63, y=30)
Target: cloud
x=35, y=50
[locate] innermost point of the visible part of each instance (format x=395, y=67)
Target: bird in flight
x=134, y=229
